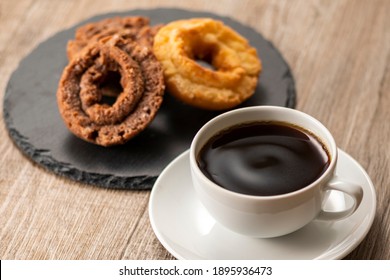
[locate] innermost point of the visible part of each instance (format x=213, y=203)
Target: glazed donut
x=79, y=94
x=179, y=44
x=133, y=28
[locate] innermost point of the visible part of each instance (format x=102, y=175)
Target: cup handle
x=353, y=190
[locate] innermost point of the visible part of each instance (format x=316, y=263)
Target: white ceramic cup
x=270, y=216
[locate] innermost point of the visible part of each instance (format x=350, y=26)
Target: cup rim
x=332, y=150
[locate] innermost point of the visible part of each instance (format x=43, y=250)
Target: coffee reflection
x=263, y=158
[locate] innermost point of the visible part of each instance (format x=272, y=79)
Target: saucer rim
x=359, y=234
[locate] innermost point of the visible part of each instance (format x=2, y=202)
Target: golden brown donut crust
x=179, y=44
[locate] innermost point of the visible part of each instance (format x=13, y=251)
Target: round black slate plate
x=34, y=124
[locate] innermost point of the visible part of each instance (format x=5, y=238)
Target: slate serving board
x=35, y=126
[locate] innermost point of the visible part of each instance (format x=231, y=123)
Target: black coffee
x=263, y=158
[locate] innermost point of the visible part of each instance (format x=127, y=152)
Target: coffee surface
x=263, y=158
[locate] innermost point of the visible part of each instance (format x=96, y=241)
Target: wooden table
x=339, y=53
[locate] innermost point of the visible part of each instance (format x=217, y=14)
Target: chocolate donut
x=80, y=94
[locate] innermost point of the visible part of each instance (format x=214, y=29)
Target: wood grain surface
x=338, y=52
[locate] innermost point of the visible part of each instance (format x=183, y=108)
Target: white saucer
x=187, y=231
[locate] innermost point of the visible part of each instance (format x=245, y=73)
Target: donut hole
x=201, y=51
x=110, y=87
x=205, y=64
x=204, y=57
